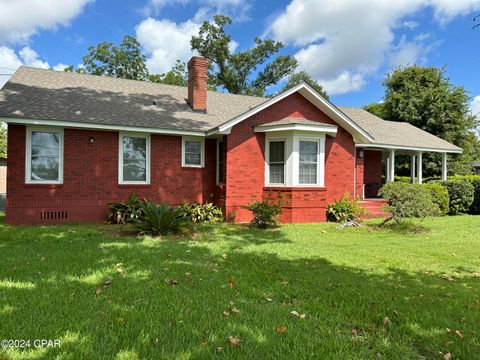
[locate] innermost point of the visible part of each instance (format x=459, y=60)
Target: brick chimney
x=197, y=83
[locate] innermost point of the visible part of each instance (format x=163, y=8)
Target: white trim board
x=82, y=125
x=327, y=129
x=402, y=147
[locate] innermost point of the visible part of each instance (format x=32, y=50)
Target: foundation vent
x=53, y=215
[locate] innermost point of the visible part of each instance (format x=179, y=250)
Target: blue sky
x=347, y=45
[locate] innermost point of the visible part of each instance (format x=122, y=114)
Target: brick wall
x=373, y=172
x=91, y=177
x=245, y=164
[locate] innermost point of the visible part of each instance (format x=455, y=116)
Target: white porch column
x=419, y=167
x=391, y=162
x=444, y=166
x=412, y=168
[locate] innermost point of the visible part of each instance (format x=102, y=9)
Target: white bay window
x=296, y=159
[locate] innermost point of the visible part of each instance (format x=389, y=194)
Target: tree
x=178, y=75
x=237, y=72
x=3, y=141
x=375, y=109
x=298, y=77
x=125, y=61
x=425, y=97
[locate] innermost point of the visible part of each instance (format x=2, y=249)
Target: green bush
x=461, y=194
x=265, y=212
x=200, y=213
x=408, y=201
x=160, y=219
x=125, y=212
x=345, y=209
x=439, y=196
x=475, y=181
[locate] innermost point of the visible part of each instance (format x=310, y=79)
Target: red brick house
x=77, y=142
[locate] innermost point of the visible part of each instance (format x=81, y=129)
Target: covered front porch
x=376, y=165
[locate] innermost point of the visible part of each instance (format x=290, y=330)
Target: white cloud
x=165, y=41
x=237, y=9
x=412, y=52
x=342, y=42
x=30, y=58
x=60, y=67
x=20, y=19
x=475, y=106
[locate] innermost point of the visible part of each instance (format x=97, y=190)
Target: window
x=276, y=162
x=308, y=162
x=134, y=165
x=219, y=162
x=44, y=160
x=192, y=152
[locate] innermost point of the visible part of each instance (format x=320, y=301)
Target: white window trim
x=121, y=135
x=267, y=160
x=202, y=151
x=292, y=158
x=217, y=165
x=28, y=154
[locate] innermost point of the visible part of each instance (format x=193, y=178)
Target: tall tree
x=297, y=77
x=375, y=109
x=425, y=97
x=125, y=61
x=3, y=141
x=237, y=72
x=178, y=75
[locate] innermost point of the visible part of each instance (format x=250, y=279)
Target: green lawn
x=345, y=282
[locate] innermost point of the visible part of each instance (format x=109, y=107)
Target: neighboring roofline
x=413, y=148
x=324, y=128
x=304, y=89
x=83, y=125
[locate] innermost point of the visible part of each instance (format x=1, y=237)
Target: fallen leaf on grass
x=269, y=299
x=231, y=282
x=98, y=291
x=233, y=341
x=458, y=333
x=219, y=349
x=447, y=356
x=104, y=285
x=235, y=310
x=297, y=314
x=386, y=321
x=448, y=278
x=226, y=313
x=281, y=329
x=224, y=256
x=120, y=269
x=476, y=274
x=396, y=313
x=171, y=282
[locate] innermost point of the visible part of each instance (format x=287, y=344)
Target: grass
x=345, y=282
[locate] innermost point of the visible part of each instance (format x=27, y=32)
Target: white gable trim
x=311, y=95
x=327, y=129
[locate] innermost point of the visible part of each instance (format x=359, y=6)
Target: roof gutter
x=83, y=125
x=412, y=148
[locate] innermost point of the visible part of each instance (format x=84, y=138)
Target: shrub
x=265, y=212
x=125, y=212
x=475, y=181
x=160, y=219
x=345, y=209
x=461, y=195
x=199, y=213
x=439, y=196
x=408, y=201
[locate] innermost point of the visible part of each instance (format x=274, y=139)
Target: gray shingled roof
x=53, y=95
x=395, y=133
x=39, y=94
x=293, y=120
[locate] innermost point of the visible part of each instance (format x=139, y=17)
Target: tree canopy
x=426, y=98
x=3, y=141
x=238, y=72
x=297, y=77
x=178, y=75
